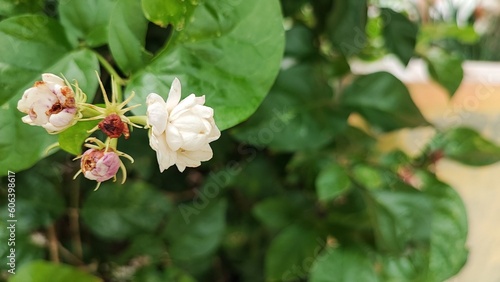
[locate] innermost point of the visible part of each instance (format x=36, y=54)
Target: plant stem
x=73, y=214
x=140, y=120
x=52, y=237
x=119, y=80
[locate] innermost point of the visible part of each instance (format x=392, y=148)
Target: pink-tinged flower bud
x=49, y=103
x=100, y=165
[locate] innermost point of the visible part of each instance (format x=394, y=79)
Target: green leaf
x=17, y=148
x=31, y=45
x=445, y=68
x=384, y=101
x=127, y=35
x=72, y=139
x=224, y=53
x=196, y=230
x=342, y=264
x=10, y=8
x=86, y=20
x=346, y=26
x=448, y=252
x=400, y=34
x=400, y=219
x=467, y=146
x=298, y=114
x=42, y=271
x=175, y=12
x=120, y=211
x=290, y=253
x=332, y=182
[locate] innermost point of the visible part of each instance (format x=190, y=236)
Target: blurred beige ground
x=476, y=104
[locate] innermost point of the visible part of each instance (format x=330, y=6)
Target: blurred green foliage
x=294, y=192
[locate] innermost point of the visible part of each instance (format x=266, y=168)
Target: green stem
x=140, y=120
x=119, y=80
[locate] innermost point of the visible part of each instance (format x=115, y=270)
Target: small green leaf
x=189, y=234
x=400, y=34
x=127, y=36
x=445, y=68
x=467, y=146
x=164, y=12
x=384, y=101
x=87, y=20
x=72, y=139
x=120, y=211
x=224, y=54
x=346, y=26
x=342, y=264
x=42, y=271
x=332, y=182
x=291, y=252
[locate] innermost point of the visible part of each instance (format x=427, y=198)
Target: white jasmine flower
x=50, y=103
x=180, y=130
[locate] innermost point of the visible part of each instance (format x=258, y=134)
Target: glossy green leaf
x=342, y=264
x=400, y=34
x=412, y=265
x=298, y=114
x=127, y=35
x=448, y=252
x=467, y=146
x=187, y=230
x=384, y=101
x=224, y=53
x=332, y=182
x=400, y=219
x=445, y=68
x=290, y=254
x=120, y=211
x=42, y=271
x=346, y=26
x=175, y=12
x=86, y=20
x=30, y=45
x=72, y=139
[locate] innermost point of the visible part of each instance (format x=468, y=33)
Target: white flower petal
x=62, y=118
x=166, y=157
x=157, y=116
x=174, y=138
x=51, y=80
x=184, y=106
x=174, y=96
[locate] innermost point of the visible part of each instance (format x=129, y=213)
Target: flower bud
x=50, y=103
x=114, y=127
x=99, y=165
